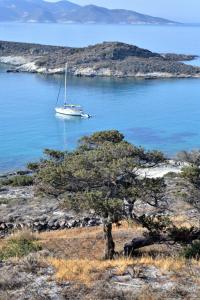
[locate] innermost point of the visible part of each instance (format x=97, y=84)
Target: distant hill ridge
x=67, y=12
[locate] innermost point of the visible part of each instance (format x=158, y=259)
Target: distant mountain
x=67, y=12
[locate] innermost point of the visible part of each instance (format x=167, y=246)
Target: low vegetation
x=18, y=180
x=88, y=271
x=18, y=245
x=193, y=251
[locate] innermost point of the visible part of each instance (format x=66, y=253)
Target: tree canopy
x=101, y=175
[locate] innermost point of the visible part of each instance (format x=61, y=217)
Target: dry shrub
x=184, y=221
x=88, y=271
x=25, y=234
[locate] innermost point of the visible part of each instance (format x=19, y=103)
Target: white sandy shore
x=29, y=64
x=162, y=169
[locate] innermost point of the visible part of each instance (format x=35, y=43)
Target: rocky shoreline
x=110, y=59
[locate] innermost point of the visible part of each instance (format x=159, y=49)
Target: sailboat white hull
x=69, y=111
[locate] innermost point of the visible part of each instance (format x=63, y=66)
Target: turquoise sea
x=160, y=114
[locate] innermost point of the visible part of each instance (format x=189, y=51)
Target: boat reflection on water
x=65, y=125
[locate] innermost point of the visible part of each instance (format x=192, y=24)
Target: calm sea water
x=160, y=114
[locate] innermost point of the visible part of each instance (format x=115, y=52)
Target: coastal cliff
x=106, y=59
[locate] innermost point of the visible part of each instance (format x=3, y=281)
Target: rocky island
x=106, y=59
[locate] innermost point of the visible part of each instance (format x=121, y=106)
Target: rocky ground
x=106, y=59
x=69, y=266
x=51, y=275
x=21, y=208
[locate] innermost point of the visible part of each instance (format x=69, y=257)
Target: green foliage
x=97, y=174
x=19, y=246
x=54, y=154
x=33, y=166
x=152, y=190
x=192, y=251
x=156, y=224
x=171, y=175
x=192, y=174
x=183, y=235
x=100, y=175
x=101, y=137
x=18, y=180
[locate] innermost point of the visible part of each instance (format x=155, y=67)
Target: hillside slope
x=67, y=12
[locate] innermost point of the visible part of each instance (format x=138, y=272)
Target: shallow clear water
x=161, y=114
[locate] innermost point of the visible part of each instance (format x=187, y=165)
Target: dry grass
x=25, y=234
x=87, y=271
x=183, y=221
x=86, y=243
x=89, y=231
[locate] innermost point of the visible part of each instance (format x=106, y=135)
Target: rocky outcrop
x=46, y=223
x=19, y=209
x=106, y=59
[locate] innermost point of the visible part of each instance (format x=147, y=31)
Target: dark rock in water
x=12, y=71
x=106, y=59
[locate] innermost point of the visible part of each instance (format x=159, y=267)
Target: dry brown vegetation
x=86, y=243
x=88, y=271
x=76, y=257
x=77, y=254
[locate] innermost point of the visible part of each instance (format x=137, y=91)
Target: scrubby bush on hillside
x=193, y=251
x=18, y=180
x=192, y=174
x=19, y=245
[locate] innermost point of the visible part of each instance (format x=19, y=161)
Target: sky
x=178, y=10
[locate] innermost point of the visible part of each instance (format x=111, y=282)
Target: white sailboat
x=70, y=109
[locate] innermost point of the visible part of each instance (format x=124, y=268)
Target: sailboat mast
x=66, y=83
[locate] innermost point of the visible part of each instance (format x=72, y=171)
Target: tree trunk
x=109, y=243
x=141, y=242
